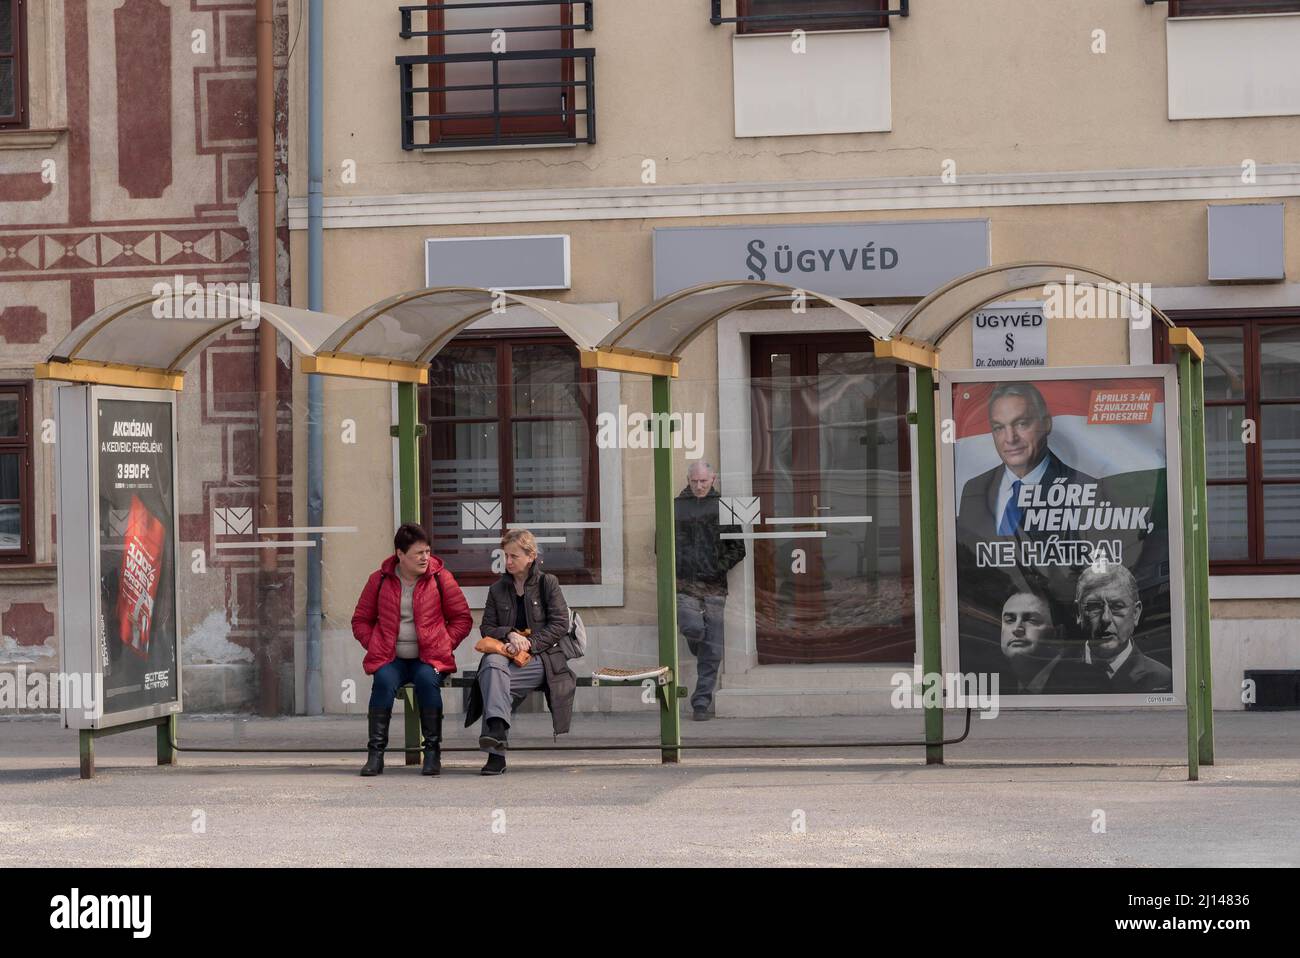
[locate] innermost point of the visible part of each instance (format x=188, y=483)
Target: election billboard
x=1063, y=532
x=117, y=550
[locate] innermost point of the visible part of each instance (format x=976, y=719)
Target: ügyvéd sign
x=1009, y=335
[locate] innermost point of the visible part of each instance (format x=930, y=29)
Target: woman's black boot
x=494, y=734
x=496, y=765
x=377, y=721
x=431, y=726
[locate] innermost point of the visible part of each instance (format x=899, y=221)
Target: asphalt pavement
x=1028, y=788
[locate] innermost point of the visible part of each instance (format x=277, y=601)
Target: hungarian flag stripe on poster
x=1076, y=436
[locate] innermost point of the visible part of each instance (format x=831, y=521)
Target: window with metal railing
x=502, y=73
x=782, y=16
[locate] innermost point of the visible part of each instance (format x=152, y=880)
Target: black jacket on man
x=703, y=557
x=1141, y=673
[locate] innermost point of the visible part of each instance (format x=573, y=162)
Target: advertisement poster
x=137, y=621
x=1060, y=488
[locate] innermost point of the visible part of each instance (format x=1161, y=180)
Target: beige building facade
x=1107, y=135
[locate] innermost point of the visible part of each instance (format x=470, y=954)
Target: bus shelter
x=121, y=483
x=1165, y=401
x=131, y=348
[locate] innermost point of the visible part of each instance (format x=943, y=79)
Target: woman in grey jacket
x=526, y=611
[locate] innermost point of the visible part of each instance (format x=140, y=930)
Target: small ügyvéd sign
x=1009, y=335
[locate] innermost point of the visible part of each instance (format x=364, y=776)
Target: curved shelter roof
x=396, y=338
x=653, y=339
x=919, y=333
x=148, y=340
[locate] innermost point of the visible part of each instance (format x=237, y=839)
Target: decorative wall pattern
x=148, y=183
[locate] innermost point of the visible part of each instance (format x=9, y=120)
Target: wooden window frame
x=871, y=17
x=1251, y=323
x=449, y=131
x=505, y=418
x=1228, y=8
x=22, y=444
x=17, y=120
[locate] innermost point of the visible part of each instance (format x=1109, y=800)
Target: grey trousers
x=503, y=683
x=700, y=620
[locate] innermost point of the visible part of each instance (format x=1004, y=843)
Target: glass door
x=831, y=462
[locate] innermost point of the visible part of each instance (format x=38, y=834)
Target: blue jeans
x=700, y=619
x=389, y=678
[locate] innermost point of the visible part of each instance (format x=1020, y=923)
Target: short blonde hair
x=522, y=538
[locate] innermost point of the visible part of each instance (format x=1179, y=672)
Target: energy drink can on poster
x=142, y=556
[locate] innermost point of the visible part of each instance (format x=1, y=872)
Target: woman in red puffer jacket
x=409, y=619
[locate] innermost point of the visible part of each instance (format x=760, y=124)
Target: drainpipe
x=315, y=390
x=267, y=361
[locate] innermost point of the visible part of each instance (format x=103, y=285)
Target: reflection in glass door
x=833, y=569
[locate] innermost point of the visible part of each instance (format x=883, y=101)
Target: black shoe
x=702, y=715
x=431, y=726
x=494, y=736
x=377, y=723
x=496, y=765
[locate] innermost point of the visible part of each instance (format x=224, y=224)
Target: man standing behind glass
x=703, y=560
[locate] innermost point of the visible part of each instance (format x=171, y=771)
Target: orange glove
x=486, y=645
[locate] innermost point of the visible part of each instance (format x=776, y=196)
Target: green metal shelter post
x=166, y=734
x=1191, y=579
x=411, y=725
x=86, y=741
x=928, y=582
x=1201, y=541
x=408, y=485
x=670, y=722
x=164, y=729
x=408, y=458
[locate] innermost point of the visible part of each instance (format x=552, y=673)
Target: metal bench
x=660, y=675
